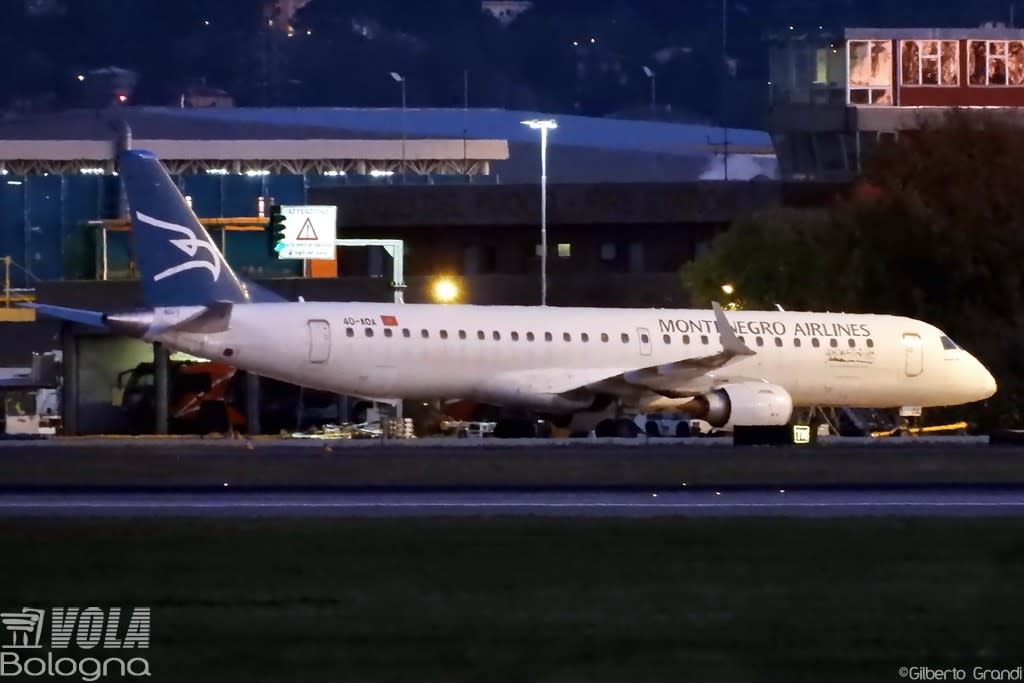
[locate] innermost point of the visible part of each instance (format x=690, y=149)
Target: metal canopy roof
x=87, y=142
x=324, y=140
x=456, y=157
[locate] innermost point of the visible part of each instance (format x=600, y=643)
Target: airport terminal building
x=468, y=179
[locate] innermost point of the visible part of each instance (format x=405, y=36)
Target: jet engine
x=744, y=404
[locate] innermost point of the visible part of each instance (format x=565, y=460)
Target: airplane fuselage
x=490, y=353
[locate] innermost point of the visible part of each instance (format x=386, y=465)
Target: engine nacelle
x=746, y=404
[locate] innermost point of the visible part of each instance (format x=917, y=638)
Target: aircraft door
x=914, y=354
x=319, y=341
x=644, y=338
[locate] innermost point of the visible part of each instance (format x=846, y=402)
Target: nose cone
x=984, y=384
x=988, y=383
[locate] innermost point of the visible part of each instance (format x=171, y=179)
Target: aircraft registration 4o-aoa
x=583, y=364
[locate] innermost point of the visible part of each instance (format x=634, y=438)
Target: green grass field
x=539, y=600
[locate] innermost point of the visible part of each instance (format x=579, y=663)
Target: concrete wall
x=100, y=360
x=568, y=204
x=19, y=340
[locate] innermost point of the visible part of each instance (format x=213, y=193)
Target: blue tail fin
x=179, y=263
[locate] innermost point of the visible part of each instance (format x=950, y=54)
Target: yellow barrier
x=956, y=426
x=17, y=315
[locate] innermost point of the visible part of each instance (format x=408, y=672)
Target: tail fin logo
x=191, y=245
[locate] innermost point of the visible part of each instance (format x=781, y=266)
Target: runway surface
x=775, y=502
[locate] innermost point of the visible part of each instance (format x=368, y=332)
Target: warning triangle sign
x=307, y=232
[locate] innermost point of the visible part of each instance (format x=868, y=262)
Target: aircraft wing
x=685, y=376
x=675, y=376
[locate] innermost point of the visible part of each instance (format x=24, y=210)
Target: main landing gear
x=620, y=427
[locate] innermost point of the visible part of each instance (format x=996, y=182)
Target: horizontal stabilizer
x=74, y=315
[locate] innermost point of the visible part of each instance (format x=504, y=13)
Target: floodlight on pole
x=649, y=72
x=543, y=125
x=401, y=81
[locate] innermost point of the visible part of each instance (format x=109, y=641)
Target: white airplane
x=588, y=364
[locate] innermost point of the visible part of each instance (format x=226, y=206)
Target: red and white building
x=832, y=99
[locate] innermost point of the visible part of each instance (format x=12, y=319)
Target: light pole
x=401, y=81
x=544, y=125
x=653, y=77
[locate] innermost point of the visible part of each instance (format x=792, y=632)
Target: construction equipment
x=32, y=412
x=206, y=396
x=198, y=397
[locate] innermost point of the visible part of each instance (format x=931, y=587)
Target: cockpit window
x=948, y=344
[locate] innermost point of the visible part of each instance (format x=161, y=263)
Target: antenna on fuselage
x=779, y=306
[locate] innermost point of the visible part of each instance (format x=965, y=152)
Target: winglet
x=730, y=342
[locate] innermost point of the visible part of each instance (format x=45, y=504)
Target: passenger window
x=462, y=334
x=851, y=343
x=349, y=332
x=444, y=334
x=666, y=339
x=742, y=340
x=515, y=336
x=833, y=342
x=704, y=339
x=604, y=337
x=625, y=338
x=424, y=334
x=871, y=344
x=547, y=336
x=566, y=336
x=369, y=331
x=686, y=339
x=759, y=341
x=796, y=342
x=496, y=335
x=406, y=333
x=584, y=337
x=480, y=334
x=778, y=341
x=644, y=339
x=387, y=332
x=815, y=343
x=529, y=336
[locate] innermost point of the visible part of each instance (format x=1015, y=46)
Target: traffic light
x=275, y=230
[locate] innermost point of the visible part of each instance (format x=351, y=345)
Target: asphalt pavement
x=975, y=502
